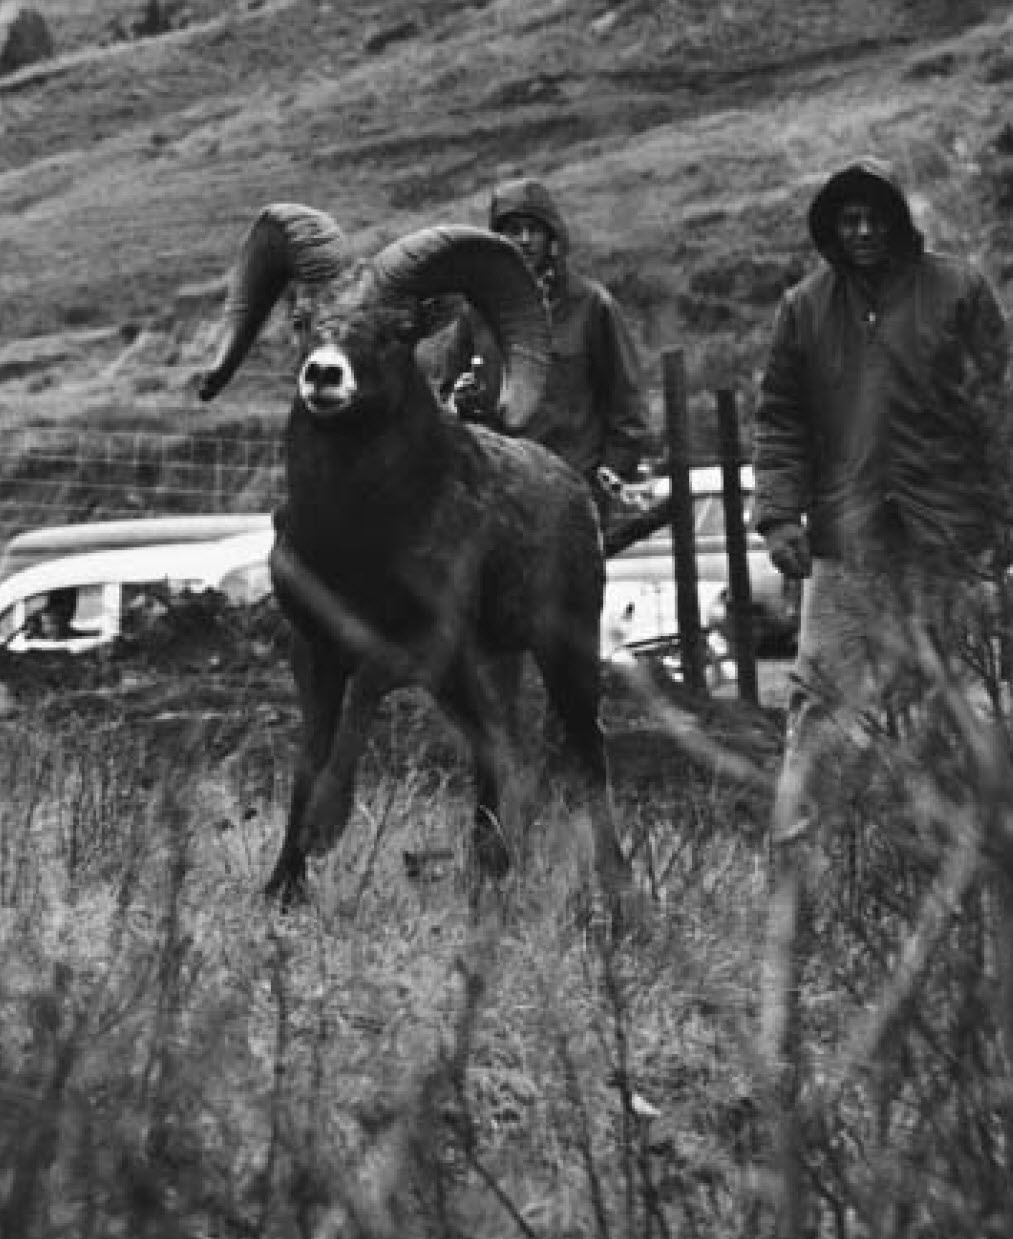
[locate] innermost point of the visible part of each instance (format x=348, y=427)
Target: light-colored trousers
x=855, y=656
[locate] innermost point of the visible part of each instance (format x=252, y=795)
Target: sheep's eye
x=301, y=326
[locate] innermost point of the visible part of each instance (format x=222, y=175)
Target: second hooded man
x=593, y=414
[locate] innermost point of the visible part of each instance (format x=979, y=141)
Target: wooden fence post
x=741, y=599
x=691, y=639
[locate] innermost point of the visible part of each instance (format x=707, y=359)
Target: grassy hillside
x=682, y=139
x=177, y=1059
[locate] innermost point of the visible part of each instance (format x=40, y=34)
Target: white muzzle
x=326, y=380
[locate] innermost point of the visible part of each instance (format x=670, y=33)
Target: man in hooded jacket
x=880, y=447
x=593, y=414
x=882, y=478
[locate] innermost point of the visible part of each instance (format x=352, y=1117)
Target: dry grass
x=178, y=1053
x=181, y=1059
x=178, y=1060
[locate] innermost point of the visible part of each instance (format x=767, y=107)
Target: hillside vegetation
x=682, y=138
x=180, y=1060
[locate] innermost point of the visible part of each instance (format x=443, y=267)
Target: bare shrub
x=378, y=1064
x=893, y=983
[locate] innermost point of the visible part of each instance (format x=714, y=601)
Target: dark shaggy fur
x=411, y=547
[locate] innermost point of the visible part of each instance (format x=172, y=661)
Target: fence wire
x=57, y=476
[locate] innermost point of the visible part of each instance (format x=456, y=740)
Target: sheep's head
x=357, y=328
x=356, y=355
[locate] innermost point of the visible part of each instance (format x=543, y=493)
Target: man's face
x=863, y=231
x=530, y=236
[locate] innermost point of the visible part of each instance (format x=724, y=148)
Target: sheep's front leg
x=320, y=680
x=332, y=797
x=506, y=673
x=465, y=697
x=572, y=676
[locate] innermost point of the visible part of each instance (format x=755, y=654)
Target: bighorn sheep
x=412, y=545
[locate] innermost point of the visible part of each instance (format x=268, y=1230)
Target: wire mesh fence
x=51, y=476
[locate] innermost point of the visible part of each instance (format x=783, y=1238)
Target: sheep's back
x=533, y=533
x=502, y=535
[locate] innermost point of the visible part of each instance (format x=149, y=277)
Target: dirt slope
x=682, y=139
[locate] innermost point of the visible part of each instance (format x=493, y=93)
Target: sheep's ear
x=287, y=242
x=300, y=316
x=438, y=313
x=411, y=323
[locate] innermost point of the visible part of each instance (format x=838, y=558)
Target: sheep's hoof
x=625, y=907
x=287, y=886
x=608, y=917
x=615, y=873
x=631, y=915
x=492, y=855
x=323, y=819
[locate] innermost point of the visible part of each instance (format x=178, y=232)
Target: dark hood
x=866, y=178
x=527, y=196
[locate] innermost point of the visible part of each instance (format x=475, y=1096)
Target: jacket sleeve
x=619, y=388
x=782, y=433
x=470, y=338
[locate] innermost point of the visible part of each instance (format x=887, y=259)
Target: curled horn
x=287, y=242
x=490, y=272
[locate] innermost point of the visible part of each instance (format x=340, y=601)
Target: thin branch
x=939, y=907
x=583, y=1138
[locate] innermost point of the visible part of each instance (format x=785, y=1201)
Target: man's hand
x=469, y=394
x=609, y=481
x=788, y=548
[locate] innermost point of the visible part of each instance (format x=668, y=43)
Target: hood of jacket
x=867, y=179
x=526, y=196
